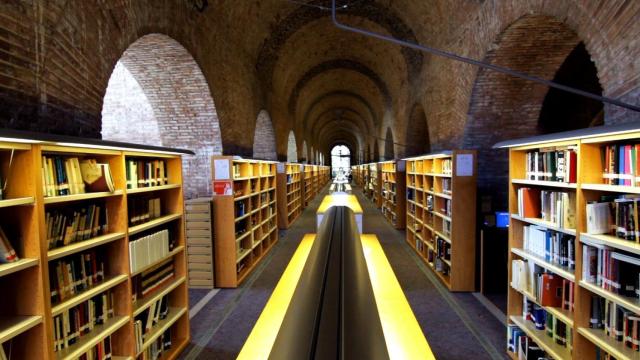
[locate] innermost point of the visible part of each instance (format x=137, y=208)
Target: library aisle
x=456, y=325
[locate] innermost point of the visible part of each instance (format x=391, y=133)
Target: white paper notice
x=280, y=168
x=401, y=165
x=221, y=169
x=464, y=165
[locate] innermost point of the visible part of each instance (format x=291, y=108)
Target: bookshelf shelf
x=174, y=315
x=563, y=272
x=564, y=315
x=241, y=216
x=140, y=305
x=153, y=223
x=615, y=348
x=553, y=184
x=31, y=280
x=611, y=188
x=79, y=197
x=611, y=241
x=540, y=337
x=90, y=340
x=629, y=303
x=176, y=251
x=27, y=200
x=433, y=190
x=393, y=187
x=10, y=268
x=83, y=245
x=547, y=224
x=152, y=188
x=107, y=284
x=292, y=192
x=12, y=326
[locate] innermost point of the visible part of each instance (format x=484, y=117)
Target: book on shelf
x=554, y=328
x=148, y=249
x=447, y=166
x=97, y=177
x=620, y=164
x=101, y=351
x=143, y=209
x=611, y=270
x=558, y=164
x=68, y=225
x=74, y=323
x=523, y=346
x=554, y=247
x=67, y=175
x=557, y=207
x=545, y=287
x=147, y=319
x=614, y=215
x=7, y=252
x=142, y=173
x=74, y=274
x=615, y=321
x=155, y=278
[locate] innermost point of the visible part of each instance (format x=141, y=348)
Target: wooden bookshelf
x=290, y=193
x=373, y=186
x=392, y=192
x=245, y=228
x=440, y=204
x=308, y=184
x=199, y=217
x=325, y=175
x=589, y=186
x=26, y=323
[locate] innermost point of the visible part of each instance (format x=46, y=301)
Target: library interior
x=319, y=179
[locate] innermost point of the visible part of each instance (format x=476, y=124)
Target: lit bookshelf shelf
x=105, y=285
x=611, y=241
x=547, y=224
x=153, y=223
x=140, y=305
x=88, y=341
x=563, y=272
x=615, y=348
x=554, y=184
x=629, y=303
x=28, y=200
x=177, y=250
x=10, y=268
x=392, y=192
x=174, y=315
x=152, y=188
x=79, y=197
x=291, y=192
x=562, y=314
x=540, y=337
x=82, y=245
x=611, y=188
x=236, y=256
x=433, y=185
x=12, y=326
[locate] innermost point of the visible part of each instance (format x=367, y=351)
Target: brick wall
x=264, y=139
x=183, y=112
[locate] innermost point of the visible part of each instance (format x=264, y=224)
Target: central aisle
x=456, y=326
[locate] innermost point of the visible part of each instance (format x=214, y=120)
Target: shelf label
x=221, y=167
x=280, y=168
x=464, y=165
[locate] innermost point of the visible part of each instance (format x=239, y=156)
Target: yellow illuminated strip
x=350, y=201
x=402, y=332
x=263, y=335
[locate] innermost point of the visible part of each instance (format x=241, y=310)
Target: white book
x=598, y=218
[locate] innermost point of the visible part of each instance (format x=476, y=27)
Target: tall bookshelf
x=325, y=175
x=246, y=216
x=440, y=210
x=308, y=184
x=29, y=314
x=590, y=186
x=290, y=196
x=374, y=184
x=392, y=192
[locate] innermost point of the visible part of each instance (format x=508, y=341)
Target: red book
x=531, y=202
x=573, y=166
x=551, y=290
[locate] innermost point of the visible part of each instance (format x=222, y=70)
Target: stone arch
x=158, y=95
x=504, y=107
x=304, y=156
x=292, y=148
x=417, y=133
x=312, y=155
x=389, y=153
x=264, y=139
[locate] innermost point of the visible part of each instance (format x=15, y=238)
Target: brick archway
x=292, y=148
x=417, y=133
x=158, y=95
x=264, y=140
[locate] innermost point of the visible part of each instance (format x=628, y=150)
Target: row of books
x=70, y=175
x=554, y=247
x=546, y=288
x=523, y=346
x=620, y=164
x=74, y=274
x=153, y=279
x=102, y=351
x=443, y=248
x=148, y=249
x=7, y=252
x=556, y=207
x=611, y=270
x=554, y=328
x=618, y=323
x=146, y=320
x=70, y=326
x=552, y=164
x=447, y=166
x=614, y=215
x=437, y=263
x=143, y=173
x=143, y=209
x=158, y=347
x=68, y=225
x=446, y=209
